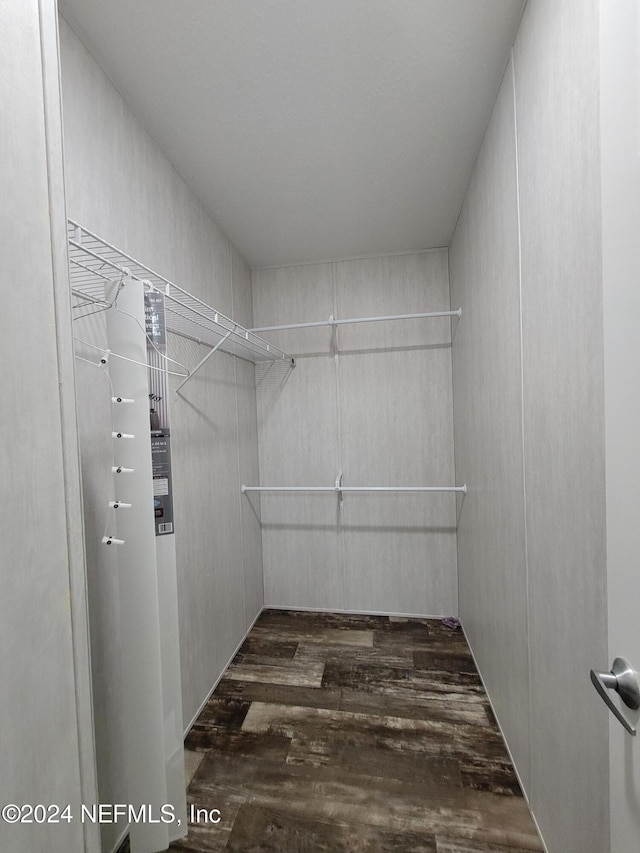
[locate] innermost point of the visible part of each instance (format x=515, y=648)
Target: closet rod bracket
x=203, y=361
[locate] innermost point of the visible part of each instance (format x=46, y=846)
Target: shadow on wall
x=271, y=377
x=360, y=528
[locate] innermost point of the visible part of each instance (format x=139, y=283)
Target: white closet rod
x=462, y=489
x=332, y=322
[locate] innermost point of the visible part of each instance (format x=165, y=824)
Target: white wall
x=45, y=736
x=487, y=384
x=525, y=266
x=528, y=402
x=120, y=185
x=382, y=414
x=620, y=134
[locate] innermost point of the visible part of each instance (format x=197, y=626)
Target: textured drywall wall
x=487, y=384
x=45, y=736
x=120, y=185
x=556, y=59
x=619, y=88
x=536, y=236
x=381, y=412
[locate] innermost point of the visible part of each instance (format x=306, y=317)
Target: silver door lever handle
x=624, y=680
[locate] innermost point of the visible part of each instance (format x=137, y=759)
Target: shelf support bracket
x=339, y=490
x=204, y=360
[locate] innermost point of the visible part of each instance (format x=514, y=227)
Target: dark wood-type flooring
x=345, y=733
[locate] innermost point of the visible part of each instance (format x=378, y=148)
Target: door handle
x=624, y=680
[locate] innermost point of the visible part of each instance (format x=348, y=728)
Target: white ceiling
x=312, y=129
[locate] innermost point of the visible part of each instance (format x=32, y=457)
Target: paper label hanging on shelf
x=162, y=485
x=155, y=319
x=156, y=332
x=155, y=328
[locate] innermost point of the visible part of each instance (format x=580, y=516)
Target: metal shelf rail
x=352, y=320
x=94, y=265
x=338, y=489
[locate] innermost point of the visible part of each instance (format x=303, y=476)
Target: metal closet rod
x=337, y=488
x=332, y=322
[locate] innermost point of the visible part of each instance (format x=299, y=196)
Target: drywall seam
x=335, y=340
x=453, y=327
x=258, y=451
x=237, y=424
x=522, y=420
x=239, y=495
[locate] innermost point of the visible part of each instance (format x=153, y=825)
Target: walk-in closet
x=320, y=428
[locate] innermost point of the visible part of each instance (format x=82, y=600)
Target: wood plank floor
x=358, y=734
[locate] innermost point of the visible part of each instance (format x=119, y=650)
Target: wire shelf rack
x=96, y=269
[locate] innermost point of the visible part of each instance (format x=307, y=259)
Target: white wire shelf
x=96, y=268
